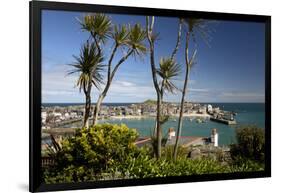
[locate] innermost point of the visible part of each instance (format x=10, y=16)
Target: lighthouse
x=209, y=108
x=215, y=137
x=171, y=133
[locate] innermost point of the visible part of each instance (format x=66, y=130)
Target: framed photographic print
x=124, y=96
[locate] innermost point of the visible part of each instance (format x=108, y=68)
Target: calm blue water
x=248, y=114
x=75, y=104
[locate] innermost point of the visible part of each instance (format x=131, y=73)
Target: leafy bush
x=92, y=152
x=146, y=166
x=241, y=164
x=167, y=152
x=250, y=144
x=106, y=152
x=154, y=144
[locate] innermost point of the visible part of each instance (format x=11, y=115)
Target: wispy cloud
x=123, y=91
x=58, y=79
x=219, y=95
x=57, y=92
x=57, y=86
x=198, y=90
x=180, y=82
x=242, y=94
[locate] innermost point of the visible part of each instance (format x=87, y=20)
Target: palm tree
x=89, y=66
x=151, y=39
x=166, y=84
x=132, y=39
x=137, y=36
x=168, y=70
x=99, y=26
x=194, y=27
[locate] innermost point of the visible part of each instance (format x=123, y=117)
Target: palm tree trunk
x=159, y=133
x=181, y=114
x=87, y=106
x=161, y=100
x=149, y=28
x=182, y=99
x=109, y=81
x=97, y=109
x=178, y=40
x=155, y=129
x=101, y=96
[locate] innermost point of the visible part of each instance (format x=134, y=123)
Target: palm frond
x=98, y=24
x=137, y=35
x=120, y=34
x=199, y=28
x=168, y=71
x=89, y=65
x=54, y=147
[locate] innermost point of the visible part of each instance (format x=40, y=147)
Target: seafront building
x=54, y=118
x=57, y=116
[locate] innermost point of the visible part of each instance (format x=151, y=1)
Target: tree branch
x=152, y=60
x=120, y=62
x=178, y=40
x=192, y=58
x=94, y=35
x=110, y=61
x=114, y=71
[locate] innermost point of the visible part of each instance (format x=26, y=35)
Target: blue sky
x=230, y=70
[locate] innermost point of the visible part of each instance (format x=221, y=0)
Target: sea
x=247, y=114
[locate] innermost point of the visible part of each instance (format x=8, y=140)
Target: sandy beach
x=196, y=115
x=129, y=117
x=145, y=116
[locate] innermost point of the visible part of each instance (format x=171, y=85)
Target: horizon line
x=142, y=102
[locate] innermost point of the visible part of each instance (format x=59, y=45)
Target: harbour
x=247, y=114
x=224, y=121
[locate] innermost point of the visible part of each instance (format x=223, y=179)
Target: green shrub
x=241, y=164
x=167, y=152
x=107, y=152
x=90, y=153
x=69, y=174
x=145, y=166
x=250, y=144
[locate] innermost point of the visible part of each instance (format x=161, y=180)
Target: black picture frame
x=36, y=7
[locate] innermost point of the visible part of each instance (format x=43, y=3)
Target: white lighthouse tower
x=209, y=108
x=171, y=133
x=215, y=137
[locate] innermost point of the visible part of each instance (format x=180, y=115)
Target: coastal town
x=58, y=116
x=124, y=101
x=57, y=120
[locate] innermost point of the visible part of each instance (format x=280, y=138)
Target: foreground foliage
x=250, y=144
x=93, y=151
x=107, y=152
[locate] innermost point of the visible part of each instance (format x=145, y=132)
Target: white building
x=216, y=110
x=43, y=117
x=66, y=115
x=73, y=115
x=215, y=137
x=209, y=108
